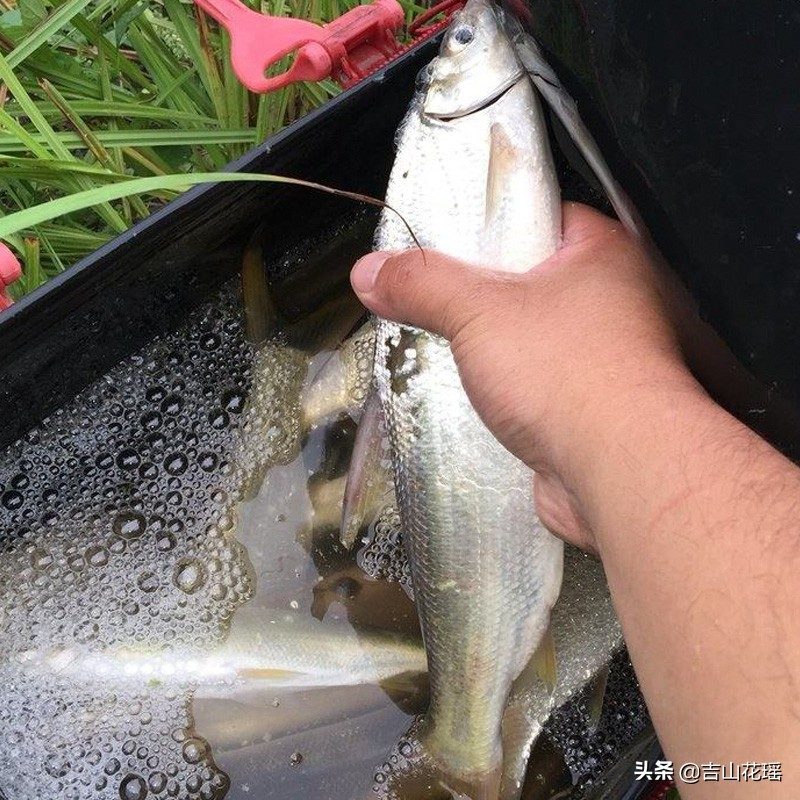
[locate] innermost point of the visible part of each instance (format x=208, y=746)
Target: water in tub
x=178, y=617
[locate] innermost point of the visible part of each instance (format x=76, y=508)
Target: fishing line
x=44, y=212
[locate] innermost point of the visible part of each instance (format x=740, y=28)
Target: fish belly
x=486, y=572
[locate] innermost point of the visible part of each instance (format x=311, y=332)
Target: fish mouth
x=482, y=106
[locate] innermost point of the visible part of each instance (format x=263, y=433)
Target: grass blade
x=39, y=36
x=132, y=109
x=109, y=214
x=135, y=138
x=30, y=108
x=20, y=136
x=33, y=264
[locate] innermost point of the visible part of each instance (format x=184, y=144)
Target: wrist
x=627, y=442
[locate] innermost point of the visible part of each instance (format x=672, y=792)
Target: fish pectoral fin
x=369, y=482
x=504, y=160
x=339, y=382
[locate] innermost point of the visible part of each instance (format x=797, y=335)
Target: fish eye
x=463, y=34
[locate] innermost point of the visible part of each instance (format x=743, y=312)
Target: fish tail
x=483, y=786
x=427, y=770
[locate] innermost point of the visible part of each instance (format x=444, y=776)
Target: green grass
x=94, y=92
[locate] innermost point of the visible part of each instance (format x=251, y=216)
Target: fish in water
x=474, y=178
x=283, y=653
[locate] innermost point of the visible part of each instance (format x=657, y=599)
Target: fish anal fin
x=520, y=731
x=521, y=727
x=369, y=482
x=407, y=690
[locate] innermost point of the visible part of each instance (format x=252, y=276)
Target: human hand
x=554, y=360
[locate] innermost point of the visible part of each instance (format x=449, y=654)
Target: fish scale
x=477, y=184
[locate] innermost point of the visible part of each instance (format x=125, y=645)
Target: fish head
x=476, y=64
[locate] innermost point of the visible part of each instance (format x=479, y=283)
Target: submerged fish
x=474, y=178
x=343, y=382
x=283, y=653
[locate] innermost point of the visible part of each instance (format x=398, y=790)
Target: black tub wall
x=63, y=336
x=695, y=104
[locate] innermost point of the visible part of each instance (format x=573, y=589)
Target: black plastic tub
x=158, y=282
x=694, y=106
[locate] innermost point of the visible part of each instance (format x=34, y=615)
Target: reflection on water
x=177, y=615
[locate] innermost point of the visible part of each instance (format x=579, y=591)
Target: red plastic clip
x=10, y=270
x=346, y=49
x=422, y=27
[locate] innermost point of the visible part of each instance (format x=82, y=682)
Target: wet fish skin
x=343, y=382
x=474, y=178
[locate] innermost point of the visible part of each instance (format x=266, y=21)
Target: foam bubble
x=118, y=514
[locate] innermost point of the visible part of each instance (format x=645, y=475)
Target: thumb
x=429, y=290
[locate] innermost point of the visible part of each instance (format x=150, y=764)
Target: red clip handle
x=259, y=41
x=10, y=270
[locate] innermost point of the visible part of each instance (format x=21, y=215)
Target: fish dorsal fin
x=259, y=308
x=325, y=328
x=565, y=108
x=369, y=481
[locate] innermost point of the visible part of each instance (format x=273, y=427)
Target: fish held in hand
x=474, y=178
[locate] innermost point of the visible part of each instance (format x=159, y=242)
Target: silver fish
x=343, y=382
x=474, y=178
x=281, y=653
